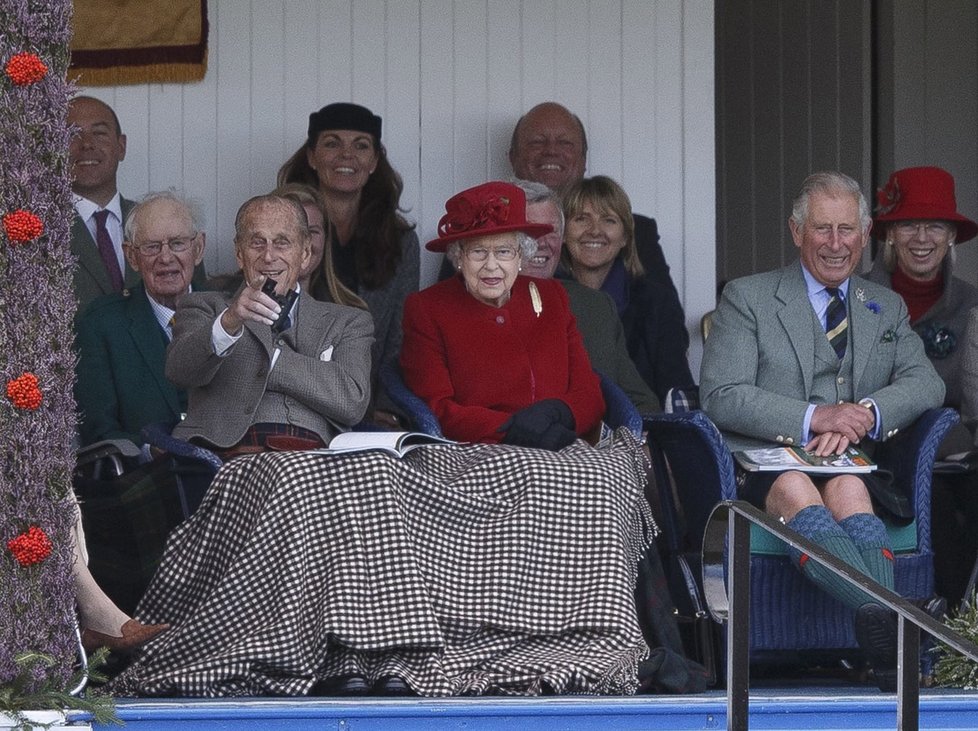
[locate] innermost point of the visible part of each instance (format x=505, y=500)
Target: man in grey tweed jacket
x=770, y=375
x=312, y=379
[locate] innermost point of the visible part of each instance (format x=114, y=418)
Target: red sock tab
x=887, y=554
x=803, y=560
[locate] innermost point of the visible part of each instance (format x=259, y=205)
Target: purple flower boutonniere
x=874, y=307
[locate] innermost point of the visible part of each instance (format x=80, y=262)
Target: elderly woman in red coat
x=497, y=356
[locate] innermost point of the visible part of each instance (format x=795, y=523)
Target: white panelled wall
x=450, y=80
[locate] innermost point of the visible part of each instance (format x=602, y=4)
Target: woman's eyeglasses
x=932, y=229
x=481, y=253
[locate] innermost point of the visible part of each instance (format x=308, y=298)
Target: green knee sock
x=817, y=524
x=869, y=535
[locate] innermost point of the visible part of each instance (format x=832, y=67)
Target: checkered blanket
x=475, y=569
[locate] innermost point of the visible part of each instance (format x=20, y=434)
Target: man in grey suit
x=269, y=370
x=812, y=356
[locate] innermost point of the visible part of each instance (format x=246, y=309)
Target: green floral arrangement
x=38, y=645
x=23, y=694
x=952, y=669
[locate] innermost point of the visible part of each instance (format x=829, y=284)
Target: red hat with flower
x=920, y=194
x=491, y=208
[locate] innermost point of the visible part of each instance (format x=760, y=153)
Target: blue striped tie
x=836, y=322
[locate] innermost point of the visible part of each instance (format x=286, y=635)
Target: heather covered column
x=37, y=411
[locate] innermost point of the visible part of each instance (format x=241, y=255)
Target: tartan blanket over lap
x=468, y=569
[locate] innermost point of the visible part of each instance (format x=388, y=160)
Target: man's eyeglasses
x=176, y=245
x=481, y=253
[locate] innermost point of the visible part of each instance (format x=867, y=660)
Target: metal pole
x=83, y=662
x=738, y=622
x=908, y=675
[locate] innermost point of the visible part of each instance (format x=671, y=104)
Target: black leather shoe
x=392, y=685
x=343, y=685
x=876, y=633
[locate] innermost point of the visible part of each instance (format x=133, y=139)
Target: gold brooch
x=535, y=299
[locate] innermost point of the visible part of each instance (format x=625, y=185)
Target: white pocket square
x=326, y=354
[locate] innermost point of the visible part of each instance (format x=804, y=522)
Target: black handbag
x=669, y=667
x=701, y=637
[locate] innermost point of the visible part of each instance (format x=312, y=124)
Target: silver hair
x=831, y=183
x=297, y=209
x=191, y=206
x=539, y=193
x=527, y=244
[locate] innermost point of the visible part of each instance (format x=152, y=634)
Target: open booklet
x=781, y=459
x=397, y=443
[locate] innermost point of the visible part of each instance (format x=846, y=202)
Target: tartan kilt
x=464, y=569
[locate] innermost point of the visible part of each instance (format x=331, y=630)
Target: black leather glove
x=548, y=424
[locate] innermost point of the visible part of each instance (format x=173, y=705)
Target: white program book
x=397, y=443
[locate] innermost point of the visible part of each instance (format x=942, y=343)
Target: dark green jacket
x=121, y=354
x=604, y=340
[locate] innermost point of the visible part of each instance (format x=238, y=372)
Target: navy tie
x=836, y=322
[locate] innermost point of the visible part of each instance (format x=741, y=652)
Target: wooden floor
x=770, y=708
